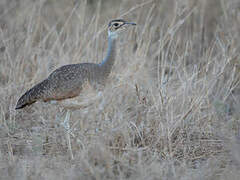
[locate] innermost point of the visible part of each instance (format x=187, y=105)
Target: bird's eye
x=115, y=24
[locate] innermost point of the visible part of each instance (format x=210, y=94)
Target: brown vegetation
x=171, y=108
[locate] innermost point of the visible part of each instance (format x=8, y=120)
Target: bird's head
x=117, y=26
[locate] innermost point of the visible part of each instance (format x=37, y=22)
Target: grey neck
x=108, y=61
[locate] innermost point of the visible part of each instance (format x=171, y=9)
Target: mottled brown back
x=65, y=82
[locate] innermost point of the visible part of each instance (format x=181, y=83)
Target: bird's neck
x=108, y=61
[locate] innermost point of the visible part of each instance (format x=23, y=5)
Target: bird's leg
x=66, y=125
x=100, y=94
x=102, y=101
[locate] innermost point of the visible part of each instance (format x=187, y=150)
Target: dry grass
x=169, y=111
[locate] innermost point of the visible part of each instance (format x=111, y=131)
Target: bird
x=68, y=81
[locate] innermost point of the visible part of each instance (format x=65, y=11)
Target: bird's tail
x=31, y=96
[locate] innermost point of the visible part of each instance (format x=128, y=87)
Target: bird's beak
x=131, y=23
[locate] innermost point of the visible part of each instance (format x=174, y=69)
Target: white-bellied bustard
x=68, y=81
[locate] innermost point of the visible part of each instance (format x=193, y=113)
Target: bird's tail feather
x=31, y=96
